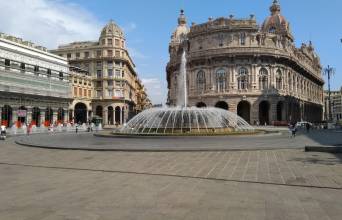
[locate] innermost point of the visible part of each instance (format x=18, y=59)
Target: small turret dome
x=182, y=29
x=111, y=29
x=276, y=23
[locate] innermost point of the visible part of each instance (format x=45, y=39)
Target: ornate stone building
x=34, y=84
x=255, y=71
x=116, y=84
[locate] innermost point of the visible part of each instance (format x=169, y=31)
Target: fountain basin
x=182, y=121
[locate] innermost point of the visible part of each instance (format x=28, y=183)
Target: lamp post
x=329, y=71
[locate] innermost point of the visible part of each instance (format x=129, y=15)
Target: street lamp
x=329, y=71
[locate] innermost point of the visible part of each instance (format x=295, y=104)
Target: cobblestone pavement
x=261, y=184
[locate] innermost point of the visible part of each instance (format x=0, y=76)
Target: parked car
x=302, y=124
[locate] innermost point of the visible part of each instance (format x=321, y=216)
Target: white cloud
x=156, y=90
x=48, y=23
x=131, y=26
x=136, y=54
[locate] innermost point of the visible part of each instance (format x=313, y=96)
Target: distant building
x=82, y=93
x=118, y=93
x=34, y=84
x=336, y=105
x=255, y=71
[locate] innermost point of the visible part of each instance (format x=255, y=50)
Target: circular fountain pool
x=186, y=121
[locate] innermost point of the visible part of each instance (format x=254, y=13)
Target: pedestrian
x=294, y=131
x=289, y=126
x=76, y=127
x=307, y=125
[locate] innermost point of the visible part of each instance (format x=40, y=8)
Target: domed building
x=117, y=92
x=255, y=71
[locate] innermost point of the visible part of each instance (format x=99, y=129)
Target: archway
x=264, y=108
x=60, y=116
x=22, y=114
x=80, y=113
x=110, y=115
x=123, y=118
x=117, y=115
x=244, y=110
x=201, y=105
x=222, y=105
x=35, y=116
x=48, y=116
x=280, y=111
x=99, y=110
x=6, y=115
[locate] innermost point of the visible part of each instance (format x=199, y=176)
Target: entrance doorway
x=264, y=108
x=80, y=113
x=244, y=110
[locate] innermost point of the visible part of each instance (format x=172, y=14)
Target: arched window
x=201, y=81
x=243, y=78
x=279, y=80
x=221, y=80
x=263, y=79
x=272, y=30
x=243, y=38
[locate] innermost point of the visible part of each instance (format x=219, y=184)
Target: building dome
x=182, y=29
x=111, y=29
x=276, y=23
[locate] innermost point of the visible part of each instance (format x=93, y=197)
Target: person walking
x=294, y=130
x=76, y=128
x=289, y=126
x=307, y=125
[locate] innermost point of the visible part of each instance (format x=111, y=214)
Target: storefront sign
x=21, y=113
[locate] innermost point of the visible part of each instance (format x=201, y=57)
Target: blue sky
x=148, y=25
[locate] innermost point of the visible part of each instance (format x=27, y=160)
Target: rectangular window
x=110, y=83
x=48, y=72
x=89, y=93
x=117, y=42
x=98, y=93
x=118, y=84
x=109, y=53
x=84, y=92
x=98, y=64
x=117, y=73
x=117, y=64
x=110, y=73
x=80, y=92
x=69, y=55
x=117, y=53
x=110, y=64
x=75, y=91
x=22, y=67
x=60, y=75
x=99, y=84
x=98, y=53
x=122, y=44
x=99, y=73
x=86, y=54
x=118, y=93
x=110, y=92
x=7, y=63
x=103, y=41
x=110, y=41
x=77, y=55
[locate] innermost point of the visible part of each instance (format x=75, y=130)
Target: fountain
x=183, y=120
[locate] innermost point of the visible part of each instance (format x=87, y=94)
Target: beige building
x=115, y=81
x=82, y=89
x=336, y=105
x=255, y=71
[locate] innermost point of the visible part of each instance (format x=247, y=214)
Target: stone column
x=54, y=115
x=121, y=116
x=42, y=115
x=29, y=115
x=105, y=116
x=66, y=116
x=14, y=115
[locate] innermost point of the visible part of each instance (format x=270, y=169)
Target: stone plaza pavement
x=252, y=184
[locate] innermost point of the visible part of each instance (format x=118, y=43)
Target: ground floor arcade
x=266, y=110
x=16, y=109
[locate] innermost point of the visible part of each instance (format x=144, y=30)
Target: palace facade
x=255, y=71
x=118, y=93
x=34, y=84
x=335, y=114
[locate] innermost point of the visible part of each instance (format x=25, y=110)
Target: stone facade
x=34, y=84
x=116, y=83
x=254, y=71
x=336, y=105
